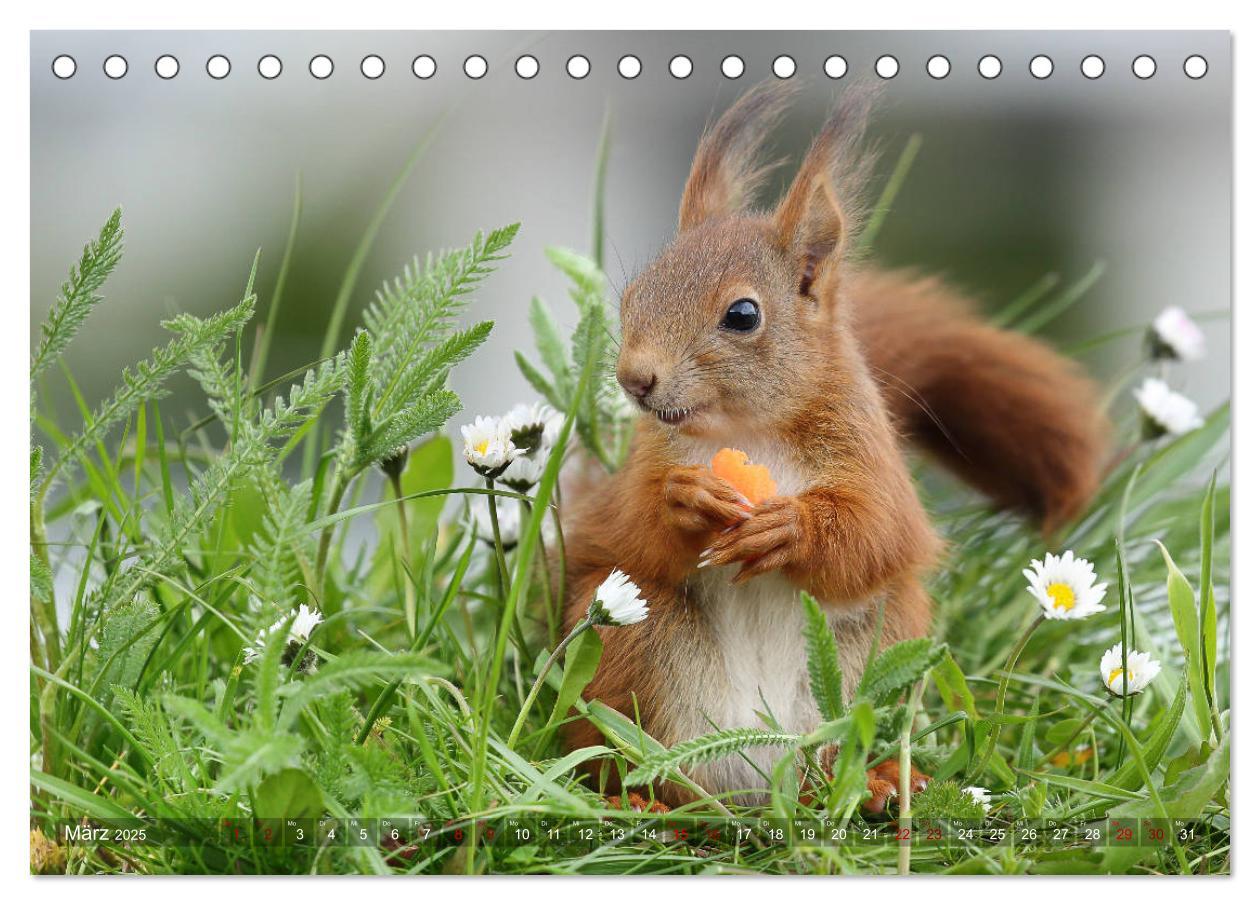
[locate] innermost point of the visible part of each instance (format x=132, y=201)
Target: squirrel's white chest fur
x=761, y=668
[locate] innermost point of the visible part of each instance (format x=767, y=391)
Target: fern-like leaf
x=540, y=383
x=397, y=383
x=79, y=294
x=551, y=348
x=283, y=550
x=706, y=749
x=354, y=671
x=153, y=730
x=147, y=381
x=601, y=415
x=825, y=680
x=898, y=666
x=41, y=579
x=252, y=449
x=401, y=428
x=430, y=369
x=358, y=386
x=421, y=306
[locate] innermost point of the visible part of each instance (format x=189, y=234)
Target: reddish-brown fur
x=848, y=362
x=1002, y=410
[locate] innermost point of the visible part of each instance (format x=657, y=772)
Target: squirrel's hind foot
x=635, y=802
x=884, y=782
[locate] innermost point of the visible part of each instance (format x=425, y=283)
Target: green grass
x=161, y=547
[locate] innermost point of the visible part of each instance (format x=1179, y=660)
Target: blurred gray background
x=1017, y=177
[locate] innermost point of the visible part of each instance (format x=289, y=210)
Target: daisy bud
x=1174, y=335
x=394, y=463
x=488, y=448
x=523, y=473
x=617, y=601
x=1142, y=671
x=1066, y=587
x=526, y=426
x=1165, y=411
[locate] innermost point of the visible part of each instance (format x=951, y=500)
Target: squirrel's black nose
x=637, y=384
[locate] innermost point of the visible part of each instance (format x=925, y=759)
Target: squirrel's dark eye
x=742, y=316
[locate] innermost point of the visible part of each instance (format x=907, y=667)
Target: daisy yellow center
x=1062, y=595
x=482, y=447
x=1115, y=673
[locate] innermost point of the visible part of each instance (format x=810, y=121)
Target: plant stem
x=549, y=604
x=499, y=557
x=903, y=793
x=409, y=590
x=44, y=611
x=991, y=746
x=504, y=578
x=325, y=537
x=542, y=677
x=1085, y=724
x=561, y=566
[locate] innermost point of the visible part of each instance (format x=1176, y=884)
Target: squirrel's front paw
x=768, y=539
x=698, y=501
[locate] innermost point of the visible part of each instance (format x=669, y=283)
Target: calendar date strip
x=416, y=834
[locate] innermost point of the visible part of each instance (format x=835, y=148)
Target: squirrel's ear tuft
x=823, y=204
x=727, y=171
x=813, y=230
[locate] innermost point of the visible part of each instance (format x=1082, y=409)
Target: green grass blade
x=1185, y=618
x=258, y=368
x=1042, y=316
x=882, y=206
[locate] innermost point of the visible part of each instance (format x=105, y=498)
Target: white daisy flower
x=488, y=446
x=617, y=601
x=1066, y=587
x=526, y=426
x=1142, y=670
x=304, y=623
x=1175, y=335
x=509, y=520
x=523, y=472
x=1166, y=411
x=980, y=795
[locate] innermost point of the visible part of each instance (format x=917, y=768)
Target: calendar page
x=626, y=453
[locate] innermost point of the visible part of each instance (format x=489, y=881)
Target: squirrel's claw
x=763, y=542
x=768, y=563
x=698, y=501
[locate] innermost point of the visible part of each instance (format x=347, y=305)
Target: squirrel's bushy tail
x=1002, y=410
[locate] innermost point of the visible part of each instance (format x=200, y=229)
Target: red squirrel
x=758, y=330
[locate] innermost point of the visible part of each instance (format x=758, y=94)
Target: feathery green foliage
x=400, y=362
x=899, y=666
x=283, y=550
x=253, y=449
x=79, y=294
x=823, y=660
x=603, y=416
x=196, y=338
x=705, y=749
